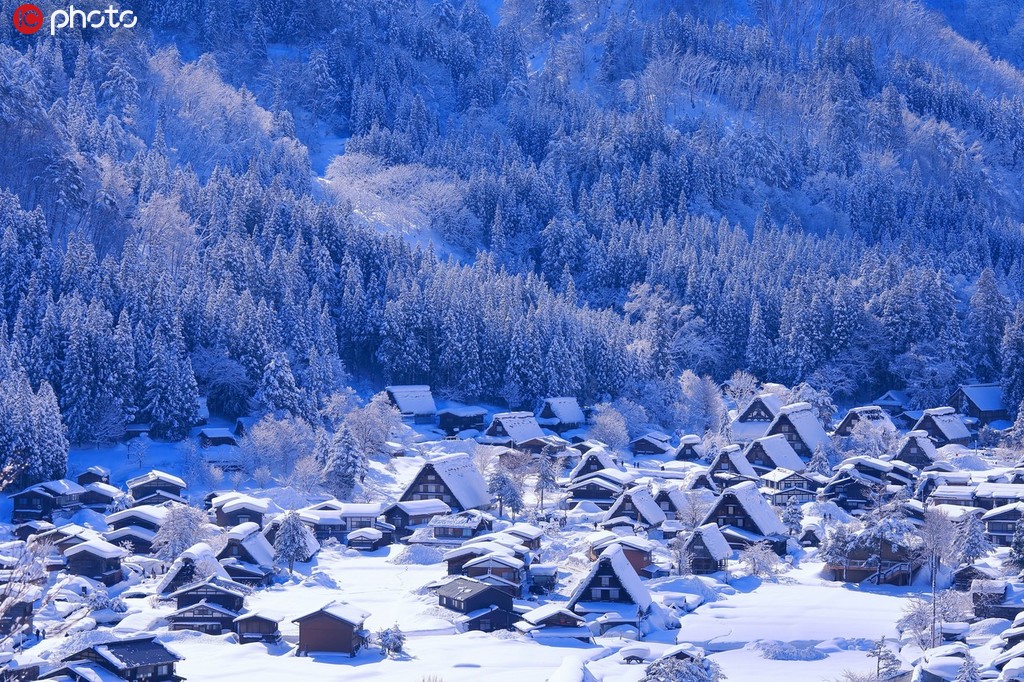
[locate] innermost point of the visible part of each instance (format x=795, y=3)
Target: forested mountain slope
x=621, y=191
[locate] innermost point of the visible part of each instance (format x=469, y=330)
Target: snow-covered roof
x=217, y=432
x=690, y=439
x=566, y=409
x=197, y=553
x=780, y=452
x=644, y=503
x=155, y=475
x=620, y=565
x=520, y=426
x=735, y=456
x=1004, y=508
x=226, y=585
x=953, y=492
x=365, y=534
x=97, y=547
x=542, y=613
x=203, y=603
x=713, y=539
x=146, y=512
x=460, y=520
x=801, y=416
x=104, y=489
x=496, y=558
x=999, y=490
x=464, y=411
x=750, y=498
x=658, y=439
x=55, y=488
x=118, y=535
x=605, y=458
x=98, y=470
x=525, y=531
x=422, y=507
x=463, y=479
x=234, y=500
x=477, y=549
x=922, y=441
x=615, y=476
x=892, y=398
x=342, y=611
x=947, y=421
x=987, y=397
x=413, y=399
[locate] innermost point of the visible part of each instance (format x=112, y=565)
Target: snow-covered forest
x=546, y=197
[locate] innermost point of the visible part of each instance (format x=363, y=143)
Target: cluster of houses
x=712, y=499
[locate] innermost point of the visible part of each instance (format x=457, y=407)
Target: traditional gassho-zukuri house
x=801, y=428
x=454, y=480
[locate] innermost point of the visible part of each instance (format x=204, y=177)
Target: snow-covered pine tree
x=50, y=435
x=183, y=527
x=969, y=540
x=290, y=541
x=969, y=670
x=277, y=388
x=346, y=466
x=819, y=462
x=1016, y=557
x=986, y=319
x=505, y=489
x=391, y=640
x=546, y=475
x=1012, y=359
x=793, y=516
x=887, y=663
x=171, y=392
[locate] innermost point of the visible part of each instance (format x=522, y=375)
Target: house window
x=244, y=518
x=605, y=581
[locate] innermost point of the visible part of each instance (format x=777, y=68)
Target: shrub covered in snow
x=788, y=651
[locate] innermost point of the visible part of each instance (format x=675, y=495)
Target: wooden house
x=943, y=426
x=156, y=487
x=336, y=627
x=99, y=496
x=690, y=448
x=258, y=626
x=41, y=500
x=337, y=519
x=851, y=490
x=203, y=616
x=594, y=460
x=183, y=572
x=560, y=414
x=553, y=621
x=455, y=420
x=873, y=415
x=595, y=488
x=917, y=449
x=745, y=518
x=459, y=526
x=709, y=550
x=457, y=558
x=781, y=485
x=498, y=569
x=139, y=659
x=637, y=505
x=137, y=526
x=484, y=607
x=528, y=535
x=996, y=599
x=729, y=466
x=965, y=575
x=224, y=593
x=799, y=425
x=511, y=429
x=652, y=443
x=611, y=579
x=96, y=559
x=885, y=564
x=753, y=420
x=982, y=402
x=893, y=402
x=366, y=539
x=234, y=508
x=24, y=530
x=454, y=480
x=211, y=436
x=415, y=403
x=247, y=546
x=405, y=516
x=94, y=474
x=17, y=617
x=772, y=452
x=989, y=495
x=1001, y=522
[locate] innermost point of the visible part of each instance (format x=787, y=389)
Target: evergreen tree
x=346, y=466
x=504, y=487
x=1012, y=359
x=970, y=541
x=793, y=516
x=887, y=664
x=546, y=474
x=50, y=435
x=290, y=543
x=391, y=640
x=819, y=462
x=277, y=389
x=969, y=670
x=986, y=319
x=1016, y=557
x=171, y=391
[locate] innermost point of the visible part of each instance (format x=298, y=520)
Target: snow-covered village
x=512, y=340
